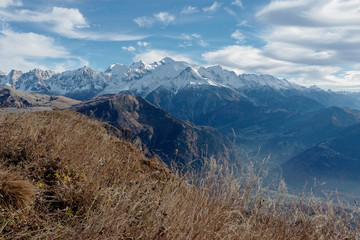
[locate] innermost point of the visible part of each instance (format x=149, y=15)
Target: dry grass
x=15, y=193
x=94, y=186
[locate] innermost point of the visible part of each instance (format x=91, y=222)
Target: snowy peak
x=138, y=66
x=2, y=78
x=13, y=77
x=118, y=71
x=267, y=80
x=73, y=82
x=41, y=74
x=189, y=73
x=34, y=81
x=139, y=78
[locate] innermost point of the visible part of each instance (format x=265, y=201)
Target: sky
x=309, y=42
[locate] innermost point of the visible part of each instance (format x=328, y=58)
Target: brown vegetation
x=91, y=185
x=14, y=192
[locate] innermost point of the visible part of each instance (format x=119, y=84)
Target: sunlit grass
x=79, y=182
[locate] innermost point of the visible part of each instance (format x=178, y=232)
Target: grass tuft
x=14, y=192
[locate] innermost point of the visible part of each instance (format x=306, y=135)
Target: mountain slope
x=172, y=139
x=64, y=177
x=335, y=160
x=76, y=176
x=307, y=129
x=10, y=97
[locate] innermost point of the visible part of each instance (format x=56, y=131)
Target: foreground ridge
x=74, y=180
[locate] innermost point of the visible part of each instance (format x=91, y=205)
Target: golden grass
x=15, y=193
x=91, y=185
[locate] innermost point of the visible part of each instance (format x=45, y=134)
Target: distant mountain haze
x=303, y=130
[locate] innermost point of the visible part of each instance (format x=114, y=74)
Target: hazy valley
x=144, y=119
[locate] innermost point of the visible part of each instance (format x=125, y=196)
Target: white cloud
x=189, y=10
x=243, y=23
x=213, y=8
x=163, y=18
x=238, y=3
x=190, y=38
x=111, y=37
x=25, y=51
x=202, y=43
x=6, y=3
x=229, y=11
x=307, y=41
x=238, y=36
x=68, y=22
x=329, y=29
x=157, y=55
x=64, y=21
x=349, y=80
x=244, y=58
x=144, y=21
x=312, y=13
x=68, y=64
x=29, y=45
x=298, y=54
x=142, y=44
x=129, y=49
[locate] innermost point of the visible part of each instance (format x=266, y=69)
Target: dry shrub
x=94, y=186
x=15, y=193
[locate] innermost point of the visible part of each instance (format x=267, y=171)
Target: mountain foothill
x=183, y=113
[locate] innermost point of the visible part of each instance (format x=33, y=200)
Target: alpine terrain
x=262, y=115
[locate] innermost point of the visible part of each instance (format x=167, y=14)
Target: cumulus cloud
x=306, y=39
x=244, y=58
x=25, y=51
x=328, y=29
x=157, y=54
x=213, y=8
x=238, y=36
x=29, y=45
x=142, y=44
x=163, y=18
x=68, y=22
x=64, y=21
x=6, y=3
x=189, y=10
x=129, y=48
x=144, y=21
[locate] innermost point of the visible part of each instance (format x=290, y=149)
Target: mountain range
x=261, y=114
x=142, y=79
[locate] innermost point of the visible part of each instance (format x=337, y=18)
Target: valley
x=248, y=117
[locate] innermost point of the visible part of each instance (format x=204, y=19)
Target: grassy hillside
x=10, y=97
x=63, y=176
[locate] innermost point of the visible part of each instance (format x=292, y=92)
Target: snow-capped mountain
x=81, y=83
x=33, y=81
x=142, y=79
x=171, y=76
x=138, y=78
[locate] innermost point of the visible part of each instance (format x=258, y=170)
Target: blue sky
x=306, y=41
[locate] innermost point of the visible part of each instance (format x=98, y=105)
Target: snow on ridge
x=139, y=78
